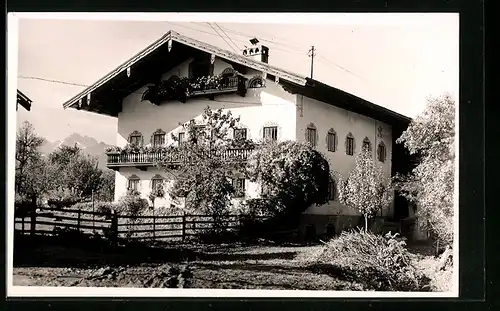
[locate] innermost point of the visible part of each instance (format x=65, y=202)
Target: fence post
x=22, y=224
x=78, y=221
x=33, y=221
x=114, y=228
x=183, y=225
x=154, y=228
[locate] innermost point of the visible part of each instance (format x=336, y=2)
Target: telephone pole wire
x=311, y=54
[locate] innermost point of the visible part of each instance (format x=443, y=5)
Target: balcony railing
x=229, y=84
x=147, y=159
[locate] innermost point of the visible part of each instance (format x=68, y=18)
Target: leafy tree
x=430, y=185
x=204, y=176
x=77, y=173
x=292, y=174
x=32, y=178
x=106, y=188
x=365, y=189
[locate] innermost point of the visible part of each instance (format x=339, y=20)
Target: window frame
x=350, y=145
x=381, y=149
x=273, y=130
x=181, y=138
x=133, y=180
x=243, y=130
x=332, y=190
x=311, y=133
x=331, y=137
x=239, y=191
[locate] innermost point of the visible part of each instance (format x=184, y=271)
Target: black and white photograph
x=277, y=155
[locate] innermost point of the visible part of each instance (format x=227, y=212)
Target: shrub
x=381, y=262
x=99, y=207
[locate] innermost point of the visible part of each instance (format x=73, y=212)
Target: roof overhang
x=23, y=100
x=336, y=97
x=292, y=82
x=172, y=36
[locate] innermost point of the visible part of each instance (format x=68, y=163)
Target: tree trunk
x=366, y=223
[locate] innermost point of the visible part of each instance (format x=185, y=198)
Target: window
x=182, y=138
x=311, y=136
x=381, y=152
x=135, y=138
x=349, y=145
x=239, y=186
x=156, y=181
x=270, y=132
x=240, y=134
x=158, y=139
x=367, y=146
x=331, y=141
x=331, y=190
x=133, y=183
x=255, y=82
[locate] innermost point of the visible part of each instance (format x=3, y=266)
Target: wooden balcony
x=230, y=85
x=144, y=160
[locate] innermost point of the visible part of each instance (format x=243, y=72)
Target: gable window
x=156, y=181
x=331, y=190
x=331, y=141
x=182, y=138
x=349, y=144
x=133, y=183
x=135, y=138
x=239, y=187
x=311, y=135
x=381, y=152
x=270, y=133
x=367, y=146
x=240, y=134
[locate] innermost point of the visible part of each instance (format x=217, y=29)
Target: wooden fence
x=49, y=221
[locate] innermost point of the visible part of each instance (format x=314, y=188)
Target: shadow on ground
x=48, y=251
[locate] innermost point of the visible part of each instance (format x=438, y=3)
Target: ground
x=187, y=266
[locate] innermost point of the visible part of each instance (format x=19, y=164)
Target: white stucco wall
x=324, y=117
x=260, y=107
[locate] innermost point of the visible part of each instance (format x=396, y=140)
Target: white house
x=271, y=102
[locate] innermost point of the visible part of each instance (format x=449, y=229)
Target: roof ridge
x=200, y=45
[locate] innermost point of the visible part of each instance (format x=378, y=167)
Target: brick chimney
x=257, y=51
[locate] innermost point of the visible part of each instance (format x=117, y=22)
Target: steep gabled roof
x=176, y=37
x=116, y=84
x=23, y=100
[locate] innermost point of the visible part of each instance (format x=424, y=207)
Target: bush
x=99, y=207
x=381, y=262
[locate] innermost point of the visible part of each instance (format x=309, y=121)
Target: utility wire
x=222, y=37
x=294, y=47
x=327, y=61
x=237, y=48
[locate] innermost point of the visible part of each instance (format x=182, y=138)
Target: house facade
x=272, y=103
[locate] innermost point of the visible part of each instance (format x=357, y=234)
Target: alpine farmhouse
x=272, y=103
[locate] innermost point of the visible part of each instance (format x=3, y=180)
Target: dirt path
x=237, y=267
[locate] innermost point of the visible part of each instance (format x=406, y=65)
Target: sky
x=395, y=61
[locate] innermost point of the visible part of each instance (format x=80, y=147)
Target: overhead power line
x=222, y=38
x=237, y=48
